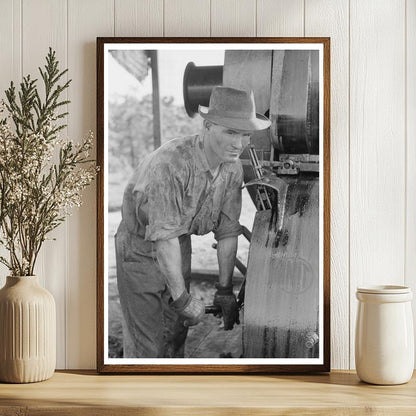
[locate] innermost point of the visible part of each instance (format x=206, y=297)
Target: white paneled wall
x=331, y=18
x=410, y=114
x=373, y=132
x=86, y=19
x=377, y=134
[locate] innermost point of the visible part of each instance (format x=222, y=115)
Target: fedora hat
x=234, y=109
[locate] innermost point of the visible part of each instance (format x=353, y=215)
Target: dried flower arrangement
x=42, y=176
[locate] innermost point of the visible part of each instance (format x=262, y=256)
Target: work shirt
x=173, y=193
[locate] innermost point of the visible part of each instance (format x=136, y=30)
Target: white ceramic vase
x=384, y=340
x=27, y=331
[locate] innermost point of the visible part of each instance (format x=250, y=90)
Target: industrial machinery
x=281, y=173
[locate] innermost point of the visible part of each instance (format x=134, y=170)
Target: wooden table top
x=86, y=393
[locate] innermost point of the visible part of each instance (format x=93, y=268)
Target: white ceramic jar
x=384, y=340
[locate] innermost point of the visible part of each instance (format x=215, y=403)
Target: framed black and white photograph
x=213, y=205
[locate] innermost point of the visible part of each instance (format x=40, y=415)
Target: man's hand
x=189, y=308
x=194, y=312
x=225, y=299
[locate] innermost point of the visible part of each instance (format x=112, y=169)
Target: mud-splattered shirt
x=173, y=192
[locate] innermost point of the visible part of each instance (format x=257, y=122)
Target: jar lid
x=384, y=289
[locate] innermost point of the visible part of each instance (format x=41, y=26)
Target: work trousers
x=151, y=329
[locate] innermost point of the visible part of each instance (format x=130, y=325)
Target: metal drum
x=198, y=83
x=294, y=106
x=281, y=316
x=287, y=92
x=281, y=304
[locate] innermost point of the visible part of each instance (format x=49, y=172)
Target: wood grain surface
x=280, y=18
x=138, y=18
x=187, y=18
x=233, y=17
x=85, y=393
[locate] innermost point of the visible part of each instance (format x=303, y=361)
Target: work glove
x=226, y=300
x=190, y=309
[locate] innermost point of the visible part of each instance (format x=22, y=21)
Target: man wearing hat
x=190, y=185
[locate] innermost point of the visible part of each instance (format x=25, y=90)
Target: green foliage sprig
x=41, y=175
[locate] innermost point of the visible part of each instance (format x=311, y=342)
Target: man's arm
x=226, y=252
x=226, y=234
x=168, y=253
x=224, y=296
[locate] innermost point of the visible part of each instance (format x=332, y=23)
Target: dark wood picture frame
x=105, y=367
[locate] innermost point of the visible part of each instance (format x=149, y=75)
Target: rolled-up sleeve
x=165, y=195
x=228, y=223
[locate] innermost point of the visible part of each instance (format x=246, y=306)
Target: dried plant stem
x=36, y=195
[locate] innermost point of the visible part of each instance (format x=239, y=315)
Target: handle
x=212, y=309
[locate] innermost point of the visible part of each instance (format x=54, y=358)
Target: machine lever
x=246, y=233
x=212, y=309
x=262, y=194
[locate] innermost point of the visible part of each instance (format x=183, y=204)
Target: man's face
x=227, y=144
